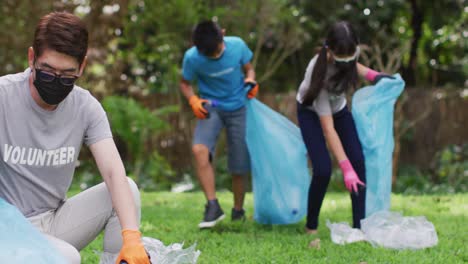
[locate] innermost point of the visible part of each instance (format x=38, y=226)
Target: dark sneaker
x=237, y=215
x=213, y=214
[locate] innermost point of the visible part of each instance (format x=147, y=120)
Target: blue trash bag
x=372, y=109
x=20, y=242
x=279, y=166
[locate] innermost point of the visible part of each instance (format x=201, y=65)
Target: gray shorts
x=207, y=132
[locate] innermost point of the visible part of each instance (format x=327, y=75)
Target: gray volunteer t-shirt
x=39, y=148
x=326, y=103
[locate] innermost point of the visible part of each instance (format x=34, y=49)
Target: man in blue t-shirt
x=223, y=72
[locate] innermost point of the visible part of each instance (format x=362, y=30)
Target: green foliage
x=143, y=42
x=157, y=174
x=173, y=218
x=17, y=23
x=273, y=29
x=135, y=125
x=445, y=43
x=155, y=36
x=450, y=166
x=441, y=50
x=158, y=32
x=411, y=180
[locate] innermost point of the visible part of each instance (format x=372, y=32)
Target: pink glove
x=375, y=76
x=370, y=75
x=350, y=177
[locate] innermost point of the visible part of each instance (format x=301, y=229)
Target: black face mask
x=52, y=92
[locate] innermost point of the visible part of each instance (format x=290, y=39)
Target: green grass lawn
x=173, y=218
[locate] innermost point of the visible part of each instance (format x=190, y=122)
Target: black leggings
x=314, y=140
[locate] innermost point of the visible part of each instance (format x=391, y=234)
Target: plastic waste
x=210, y=104
x=392, y=230
x=160, y=254
x=388, y=230
x=372, y=109
x=20, y=242
x=342, y=233
x=279, y=165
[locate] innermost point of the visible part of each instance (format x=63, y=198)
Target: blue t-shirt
x=220, y=79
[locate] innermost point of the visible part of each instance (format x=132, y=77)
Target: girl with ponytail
x=324, y=119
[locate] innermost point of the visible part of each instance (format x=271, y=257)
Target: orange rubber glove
x=197, y=106
x=133, y=251
x=254, y=90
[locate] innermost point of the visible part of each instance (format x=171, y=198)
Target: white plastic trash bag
x=342, y=233
x=160, y=254
x=389, y=230
x=392, y=230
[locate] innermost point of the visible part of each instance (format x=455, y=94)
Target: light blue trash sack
x=279, y=166
x=372, y=109
x=20, y=242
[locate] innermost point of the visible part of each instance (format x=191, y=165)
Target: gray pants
x=80, y=219
x=208, y=130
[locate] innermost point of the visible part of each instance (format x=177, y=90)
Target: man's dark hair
x=207, y=36
x=62, y=32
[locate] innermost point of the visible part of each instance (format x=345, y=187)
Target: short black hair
x=207, y=35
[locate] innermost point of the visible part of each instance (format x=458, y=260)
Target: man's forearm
x=250, y=74
x=186, y=89
x=112, y=170
x=123, y=202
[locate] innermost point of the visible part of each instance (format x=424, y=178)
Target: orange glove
x=133, y=251
x=254, y=90
x=197, y=106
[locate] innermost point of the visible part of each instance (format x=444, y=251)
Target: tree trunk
x=417, y=19
x=397, y=130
